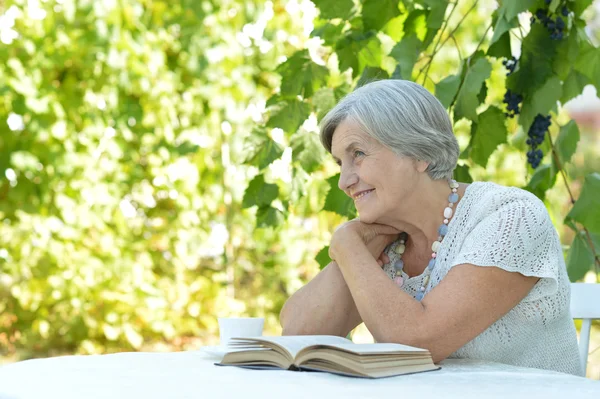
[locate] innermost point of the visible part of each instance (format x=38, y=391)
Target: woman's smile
x=362, y=194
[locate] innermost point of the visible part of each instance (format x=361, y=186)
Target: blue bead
x=419, y=296
x=443, y=230
x=453, y=198
x=431, y=264
x=399, y=265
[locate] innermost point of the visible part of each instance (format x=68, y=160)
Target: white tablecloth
x=194, y=375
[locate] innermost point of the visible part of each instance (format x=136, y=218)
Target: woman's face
x=378, y=180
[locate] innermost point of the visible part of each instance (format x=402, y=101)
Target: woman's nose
x=348, y=178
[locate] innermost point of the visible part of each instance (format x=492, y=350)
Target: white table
x=193, y=375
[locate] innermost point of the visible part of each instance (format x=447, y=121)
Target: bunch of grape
x=557, y=26
x=510, y=64
x=537, y=133
x=512, y=101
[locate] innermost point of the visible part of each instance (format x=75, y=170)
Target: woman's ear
x=421, y=166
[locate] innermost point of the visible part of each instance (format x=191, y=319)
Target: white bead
x=400, y=249
x=435, y=246
x=454, y=190
x=447, y=213
x=446, y=221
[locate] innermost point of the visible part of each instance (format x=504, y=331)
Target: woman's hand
x=376, y=237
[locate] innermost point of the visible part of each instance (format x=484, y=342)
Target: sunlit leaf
x=566, y=142
x=322, y=257
x=376, y=13
x=267, y=216
x=307, y=150
x=259, y=193
x=541, y=102
x=289, y=115
x=337, y=201
x=406, y=53
x=445, y=90
x=466, y=101
x=542, y=180
x=300, y=76
x=535, y=63
x=490, y=133
x=588, y=63
x=587, y=207
x=580, y=258
x=260, y=150
x=331, y=9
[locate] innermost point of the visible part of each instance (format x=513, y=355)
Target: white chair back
x=585, y=304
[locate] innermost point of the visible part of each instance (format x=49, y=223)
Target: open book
x=327, y=353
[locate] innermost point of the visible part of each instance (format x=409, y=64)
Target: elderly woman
x=465, y=270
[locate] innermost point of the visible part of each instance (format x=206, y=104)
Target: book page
x=366, y=349
x=295, y=343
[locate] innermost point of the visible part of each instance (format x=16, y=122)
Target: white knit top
x=510, y=228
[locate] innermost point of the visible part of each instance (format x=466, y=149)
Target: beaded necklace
x=442, y=231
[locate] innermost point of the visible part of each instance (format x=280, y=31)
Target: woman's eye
x=358, y=153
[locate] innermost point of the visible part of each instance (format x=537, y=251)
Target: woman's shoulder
x=488, y=197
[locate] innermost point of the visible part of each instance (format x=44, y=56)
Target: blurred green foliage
x=159, y=163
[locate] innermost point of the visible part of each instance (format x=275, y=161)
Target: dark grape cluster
x=537, y=133
x=557, y=26
x=512, y=101
x=510, y=64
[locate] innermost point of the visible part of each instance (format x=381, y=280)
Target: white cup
x=230, y=327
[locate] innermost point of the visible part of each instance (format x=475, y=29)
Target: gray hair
x=404, y=117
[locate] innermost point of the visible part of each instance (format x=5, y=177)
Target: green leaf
x=331, y=9
x=541, y=102
x=357, y=50
x=461, y=174
x=289, y=115
x=267, y=216
x=337, y=201
x=466, y=101
x=502, y=27
x=406, y=54
x=261, y=150
x=491, y=132
x=186, y=148
x=435, y=19
x=259, y=193
x=377, y=13
x=416, y=23
x=482, y=93
x=324, y=100
x=371, y=74
x=573, y=86
x=501, y=48
x=587, y=208
x=535, y=64
x=445, y=90
x=588, y=63
x=327, y=31
x=566, y=55
x=579, y=6
x=566, y=143
x=580, y=258
x=298, y=187
x=542, y=180
x=307, y=150
x=437, y=11
x=300, y=76
x=510, y=9
x=323, y=258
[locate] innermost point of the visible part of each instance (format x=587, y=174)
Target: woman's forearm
x=322, y=307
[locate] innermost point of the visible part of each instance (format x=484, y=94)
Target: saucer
x=216, y=350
